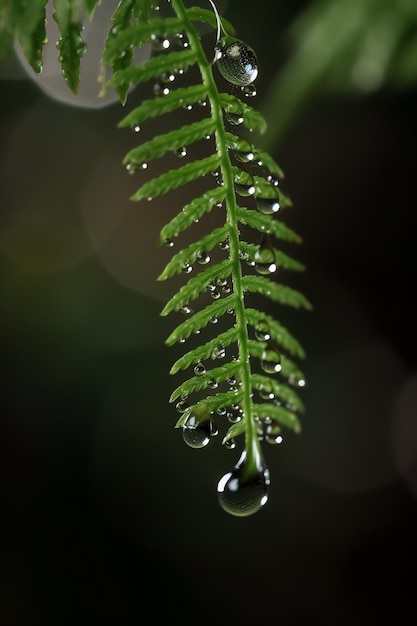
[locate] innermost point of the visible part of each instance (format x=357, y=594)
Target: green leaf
x=198, y=383
x=192, y=211
x=169, y=142
x=279, y=414
x=190, y=255
x=70, y=43
x=200, y=319
x=275, y=291
x=176, y=178
x=155, y=107
x=267, y=224
x=209, y=350
x=154, y=68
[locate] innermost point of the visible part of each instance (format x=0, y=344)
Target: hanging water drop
x=160, y=90
x=168, y=243
x=268, y=200
x=195, y=433
x=249, y=91
x=264, y=257
x=271, y=359
x=230, y=444
x=203, y=257
x=236, y=61
x=244, y=491
x=244, y=183
x=262, y=331
x=199, y=369
x=235, y=119
x=181, y=152
x=182, y=405
x=159, y=43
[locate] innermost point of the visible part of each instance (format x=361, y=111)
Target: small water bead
x=226, y=290
x=221, y=411
x=264, y=258
x=231, y=381
x=244, y=183
x=244, y=491
x=266, y=393
x=195, y=433
x=187, y=268
x=160, y=90
x=136, y=128
x=159, y=43
x=212, y=383
x=215, y=294
x=235, y=119
x=182, y=41
x=234, y=414
x=168, y=77
x=224, y=245
x=236, y=61
x=262, y=331
x=273, y=434
x=169, y=243
x=213, y=320
x=203, y=258
x=188, y=107
x=268, y=204
x=181, y=152
x=182, y=405
x=271, y=360
x=296, y=379
x=274, y=181
x=249, y=91
x=230, y=444
x=185, y=310
x=218, y=353
x=199, y=369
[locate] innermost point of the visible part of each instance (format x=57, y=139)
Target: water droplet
x=249, y=91
x=196, y=434
x=212, y=383
x=169, y=243
x=230, y=444
x=224, y=245
x=296, y=379
x=182, y=41
x=264, y=257
x=215, y=294
x=213, y=320
x=221, y=411
x=199, y=369
x=274, y=181
x=182, y=405
x=159, y=43
x=265, y=392
x=235, y=119
x=136, y=128
x=203, y=258
x=268, y=202
x=181, y=152
x=188, y=107
x=187, y=268
x=168, y=77
x=244, y=184
x=244, y=491
x=262, y=332
x=219, y=352
x=234, y=414
x=271, y=360
x=236, y=61
x=273, y=434
x=185, y=310
x=160, y=90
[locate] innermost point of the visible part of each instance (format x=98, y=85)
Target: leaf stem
x=252, y=445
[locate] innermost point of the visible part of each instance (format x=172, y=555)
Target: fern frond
x=255, y=384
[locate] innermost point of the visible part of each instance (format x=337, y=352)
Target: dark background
x=107, y=516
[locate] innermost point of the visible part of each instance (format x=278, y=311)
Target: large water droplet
x=271, y=360
x=244, y=491
x=236, y=61
x=244, y=183
x=264, y=257
x=195, y=433
x=268, y=202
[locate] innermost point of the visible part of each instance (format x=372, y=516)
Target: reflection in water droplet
x=212, y=383
x=199, y=369
x=196, y=434
x=181, y=152
x=262, y=331
x=159, y=43
x=236, y=61
x=271, y=360
x=203, y=258
x=230, y=444
x=264, y=257
x=268, y=202
x=249, y=91
x=168, y=243
x=235, y=119
x=182, y=405
x=244, y=491
x=244, y=184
